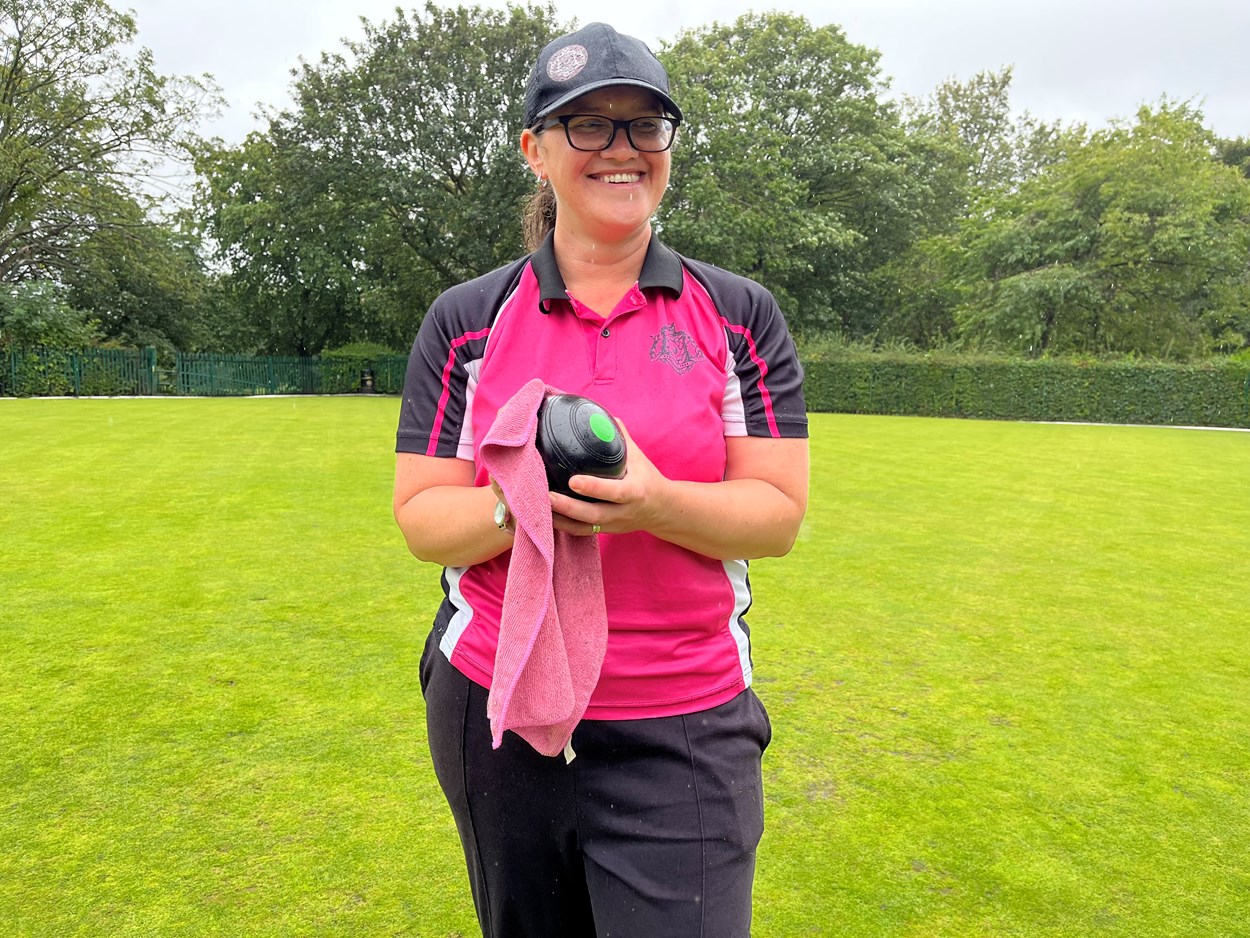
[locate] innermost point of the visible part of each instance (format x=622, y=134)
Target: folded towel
x=554, y=628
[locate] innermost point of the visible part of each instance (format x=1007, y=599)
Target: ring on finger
x=595, y=529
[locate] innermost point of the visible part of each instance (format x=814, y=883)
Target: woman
x=652, y=829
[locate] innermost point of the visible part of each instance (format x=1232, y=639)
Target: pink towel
x=554, y=629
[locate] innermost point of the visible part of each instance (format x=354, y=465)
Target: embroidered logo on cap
x=566, y=63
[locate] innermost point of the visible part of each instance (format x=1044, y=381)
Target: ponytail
x=538, y=217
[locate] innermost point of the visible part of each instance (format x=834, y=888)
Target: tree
x=395, y=174
x=144, y=281
x=292, y=255
x=80, y=124
x=1138, y=242
x=39, y=312
x=970, y=150
x=1235, y=152
x=983, y=142
x=790, y=169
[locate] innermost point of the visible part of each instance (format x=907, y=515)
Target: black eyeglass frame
x=617, y=127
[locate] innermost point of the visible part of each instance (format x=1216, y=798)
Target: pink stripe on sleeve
x=432, y=448
x=763, y=367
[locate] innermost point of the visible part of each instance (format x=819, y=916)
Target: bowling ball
x=577, y=436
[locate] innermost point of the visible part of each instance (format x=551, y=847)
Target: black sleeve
x=452, y=337
x=765, y=360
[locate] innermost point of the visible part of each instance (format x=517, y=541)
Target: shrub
x=360, y=350
x=1211, y=394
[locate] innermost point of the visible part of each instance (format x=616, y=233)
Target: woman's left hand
x=630, y=503
x=755, y=511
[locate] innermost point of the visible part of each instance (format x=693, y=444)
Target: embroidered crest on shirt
x=676, y=347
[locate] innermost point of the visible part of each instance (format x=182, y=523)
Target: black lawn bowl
x=576, y=436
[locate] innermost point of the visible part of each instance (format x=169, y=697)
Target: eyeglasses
x=593, y=132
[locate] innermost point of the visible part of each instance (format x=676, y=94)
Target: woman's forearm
x=444, y=517
x=755, y=512
x=452, y=525
x=740, y=519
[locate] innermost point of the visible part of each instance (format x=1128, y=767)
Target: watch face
x=501, y=515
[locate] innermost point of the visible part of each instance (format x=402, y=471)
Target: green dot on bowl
x=603, y=427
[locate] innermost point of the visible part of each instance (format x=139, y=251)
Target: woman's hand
x=630, y=503
x=756, y=511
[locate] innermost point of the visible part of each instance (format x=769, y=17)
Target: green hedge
x=343, y=375
x=1215, y=395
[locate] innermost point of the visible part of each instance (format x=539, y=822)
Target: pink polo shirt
x=691, y=355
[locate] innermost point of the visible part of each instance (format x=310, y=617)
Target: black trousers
x=650, y=832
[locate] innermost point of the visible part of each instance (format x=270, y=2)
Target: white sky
x=1087, y=60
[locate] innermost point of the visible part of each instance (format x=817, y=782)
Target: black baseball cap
x=596, y=56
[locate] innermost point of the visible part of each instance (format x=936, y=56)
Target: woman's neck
x=600, y=273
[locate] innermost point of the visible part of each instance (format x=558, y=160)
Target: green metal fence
x=45, y=372
x=226, y=375
x=214, y=375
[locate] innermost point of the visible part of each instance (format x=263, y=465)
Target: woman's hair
x=538, y=217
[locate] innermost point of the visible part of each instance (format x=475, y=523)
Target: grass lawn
x=1007, y=667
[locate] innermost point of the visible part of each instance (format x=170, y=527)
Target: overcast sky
x=1076, y=60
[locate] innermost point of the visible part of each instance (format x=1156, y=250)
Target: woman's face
x=610, y=194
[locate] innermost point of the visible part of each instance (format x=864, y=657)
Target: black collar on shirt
x=661, y=268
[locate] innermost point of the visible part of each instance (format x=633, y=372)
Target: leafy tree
x=39, y=312
x=970, y=149
x=920, y=293
x=292, y=255
x=790, y=169
x=973, y=121
x=143, y=280
x=81, y=121
x=1235, y=152
x=982, y=141
x=394, y=175
x=1138, y=242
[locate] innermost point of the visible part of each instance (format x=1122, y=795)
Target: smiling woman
x=635, y=655
x=608, y=185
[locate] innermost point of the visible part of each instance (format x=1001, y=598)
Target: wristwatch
x=503, y=517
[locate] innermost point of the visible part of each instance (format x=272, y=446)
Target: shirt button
x=605, y=333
